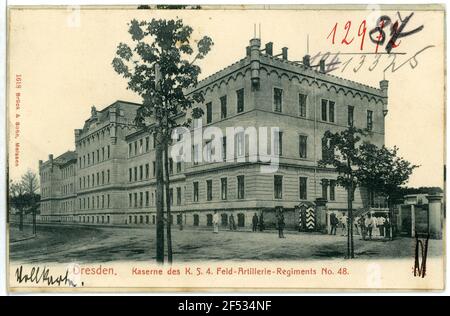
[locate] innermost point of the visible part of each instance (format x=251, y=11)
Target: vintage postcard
x=217, y=148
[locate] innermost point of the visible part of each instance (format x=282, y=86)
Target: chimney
x=93, y=112
x=113, y=111
x=77, y=135
x=322, y=66
x=284, y=52
x=307, y=61
x=113, y=114
x=255, y=44
x=50, y=159
x=384, y=85
x=269, y=49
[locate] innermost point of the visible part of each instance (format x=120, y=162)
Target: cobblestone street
x=64, y=243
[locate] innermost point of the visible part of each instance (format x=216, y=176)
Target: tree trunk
x=350, y=245
x=21, y=220
x=34, y=221
x=169, y=217
x=350, y=223
x=159, y=198
x=391, y=218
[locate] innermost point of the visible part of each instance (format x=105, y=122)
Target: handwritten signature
x=420, y=267
x=40, y=275
x=392, y=62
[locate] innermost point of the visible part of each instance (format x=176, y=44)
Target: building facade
x=291, y=103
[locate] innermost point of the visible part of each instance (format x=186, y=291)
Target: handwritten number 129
x=361, y=33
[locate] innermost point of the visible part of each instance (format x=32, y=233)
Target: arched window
x=224, y=219
x=241, y=220
x=196, y=220
x=209, y=219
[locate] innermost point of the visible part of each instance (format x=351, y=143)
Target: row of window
x=142, y=199
x=240, y=141
x=57, y=218
x=89, y=181
x=103, y=219
x=46, y=192
x=142, y=172
x=139, y=219
x=329, y=189
x=67, y=206
x=97, y=156
x=240, y=105
x=327, y=110
x=223, y=189
x=277, y=188
x=94, y=202
x=145, y=219
x=98, y=136
x=46, y=175
x=67, y=172
x=140, y=146
x=67, y=189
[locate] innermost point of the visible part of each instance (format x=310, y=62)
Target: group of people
x=365, y=225
x=257, y=222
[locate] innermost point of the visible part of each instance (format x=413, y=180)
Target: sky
x=64, y=55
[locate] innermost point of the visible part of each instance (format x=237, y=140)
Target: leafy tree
x=342, y=152
x=363, y=164
x=15, y=188
x=383, y=173
x=161, y=68
x=23, y=197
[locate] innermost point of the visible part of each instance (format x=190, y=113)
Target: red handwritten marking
x=363, y=34
x=333, y=31
x=380, y=36
x=347, y=27
x=345, y=40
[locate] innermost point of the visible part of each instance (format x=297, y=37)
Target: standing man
x=344, y=220
x=216, y=222
x=232, y=223
x=370, y=224
x=261, y=222
x=356, y=222
x=362, y=225
x=255, y=222
x=333, y=222
x=280, y=224
x=381, y=221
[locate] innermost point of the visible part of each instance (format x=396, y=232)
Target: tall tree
x=15, y=188
x=161, y=68
x=15, y=191
x=383, y=172
x=342, y=152
x=30, y=182
x=24, y=198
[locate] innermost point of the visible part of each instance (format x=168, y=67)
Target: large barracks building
x=109, y=179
